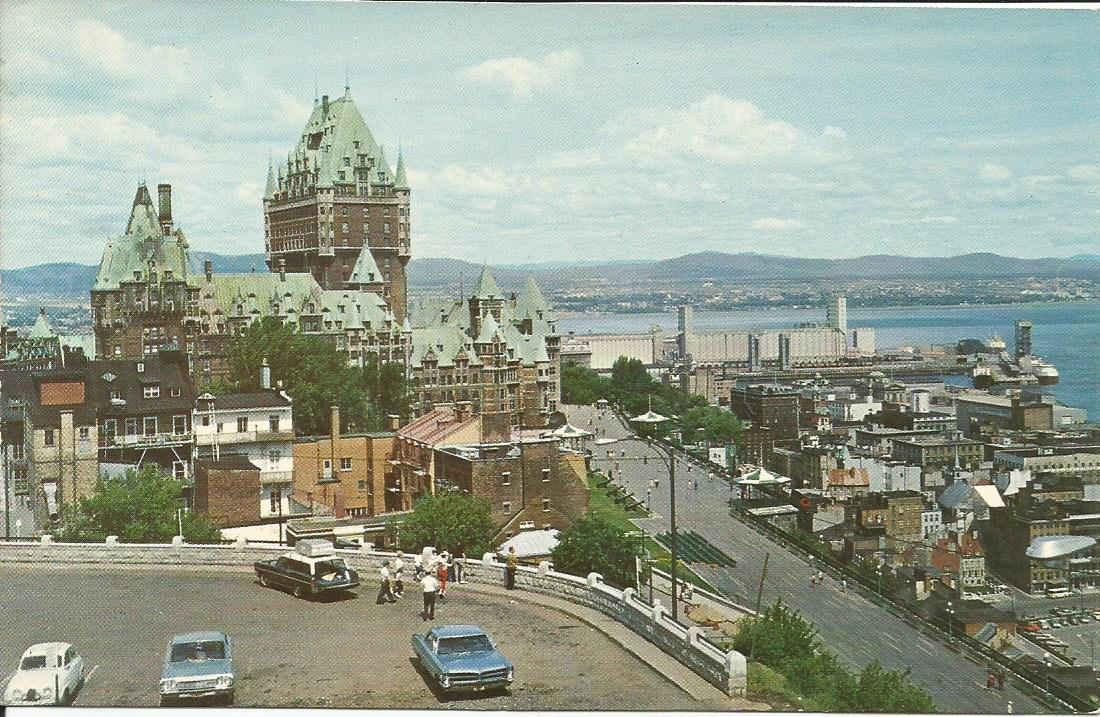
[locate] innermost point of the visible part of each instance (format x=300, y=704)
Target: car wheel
x=228, y=699
x=299, y=591
x=65, y=696
x=166, y=701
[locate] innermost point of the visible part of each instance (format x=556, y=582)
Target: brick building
x=348, y=473
x=227, y=489
x=337, y=211
x=500, y=353
x=938, y=451
x=896, y=514
x=528, y=483
x=771, y=405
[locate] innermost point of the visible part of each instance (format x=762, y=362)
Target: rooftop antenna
x=347, y=82
x=314, y=88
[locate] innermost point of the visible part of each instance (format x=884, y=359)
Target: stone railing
x=726, y=671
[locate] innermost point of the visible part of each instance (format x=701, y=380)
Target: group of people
x=433, y=574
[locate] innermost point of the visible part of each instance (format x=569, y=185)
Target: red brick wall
x=228, y=496
x=61, y=393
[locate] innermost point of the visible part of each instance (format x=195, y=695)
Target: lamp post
x=950, y=619
x=1046, y=672
x=650, y=418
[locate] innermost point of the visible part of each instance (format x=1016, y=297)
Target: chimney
x=462, y=411
x=282, y=268
x=265, y=375
x=393, y=422
x=324, y=105
x=335, y=423
x=208, y=269
x=164, y=197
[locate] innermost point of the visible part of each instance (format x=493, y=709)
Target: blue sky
x=552, y=133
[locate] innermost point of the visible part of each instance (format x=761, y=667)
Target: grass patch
x=768, y=685
x=602, y=503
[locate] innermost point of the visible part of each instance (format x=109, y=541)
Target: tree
x=139, y=507
x=582, y=386
x=718, y=425
x=315, y=374
x=455, y=522
x=596, y=545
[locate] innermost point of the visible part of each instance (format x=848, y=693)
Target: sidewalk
x=672, y=670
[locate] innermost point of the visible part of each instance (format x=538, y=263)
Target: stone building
x=771, y=405
x=414, y=451
x=500, y=353
x=227, y=490
x=335, y=209
x=147, y=298
x=938, y=451
x=529, y=483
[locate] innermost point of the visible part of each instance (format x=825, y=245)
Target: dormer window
x=141, y=367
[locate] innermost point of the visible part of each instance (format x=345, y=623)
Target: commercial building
x=414, y=454
x=770, y=405
x=836, y=313
x=934, y=451
x=898, y=515
x=336, y=210
x=976, y=411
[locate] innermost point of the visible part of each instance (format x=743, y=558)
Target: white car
x=49, y=673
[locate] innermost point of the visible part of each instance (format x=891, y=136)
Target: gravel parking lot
x=295, y=653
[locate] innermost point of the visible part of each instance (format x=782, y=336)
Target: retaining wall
x=726, y=671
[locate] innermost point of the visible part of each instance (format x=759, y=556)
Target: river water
x=1065, y=334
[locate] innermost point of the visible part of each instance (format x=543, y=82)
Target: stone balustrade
x=726, y=671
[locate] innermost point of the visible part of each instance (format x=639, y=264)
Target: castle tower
x=336, y=197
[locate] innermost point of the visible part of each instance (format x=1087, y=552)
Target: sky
x=567, y=133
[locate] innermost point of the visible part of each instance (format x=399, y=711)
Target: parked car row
x=197, y=665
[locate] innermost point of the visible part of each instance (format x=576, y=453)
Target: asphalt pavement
x=856, y=629
x=347, y=653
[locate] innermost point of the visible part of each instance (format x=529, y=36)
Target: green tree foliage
x=718, y=425
x=454, y=522
x=596, y=545
x=582, y=386
x=139, y=507
x=314, y=373
x=781, y=639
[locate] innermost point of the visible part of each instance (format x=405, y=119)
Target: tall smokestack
x=324, y=105
x=208, y=269
x=265, y=374
x=335, y=424
x=164, y=197
x=282, y=268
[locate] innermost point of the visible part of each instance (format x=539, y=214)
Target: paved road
x=294, y=653
x=856, y=629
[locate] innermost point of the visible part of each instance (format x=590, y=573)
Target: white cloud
x=939, y=220
x=775, y=223
x=1084, y=172
x=111, y=51
x=723, y=129
x=473, y=180
x=573, y=159
x=835, y=132
x=521, y=76
x=991, y=172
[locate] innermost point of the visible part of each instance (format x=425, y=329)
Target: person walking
x=384, y=593
x=460, y=567
x=430, y=585
x=510, y=568
x=441, y=575
x=398, y=577
x=451, y=567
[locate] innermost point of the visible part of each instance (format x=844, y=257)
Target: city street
x=856, y=629
x=349, y=653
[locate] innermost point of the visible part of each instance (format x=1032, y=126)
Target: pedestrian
x=429, y=584
x=460, y=569
x=844, y=584
x=510, y=568
x=441, y=575
x=398, y=577
x=384, y=593
x=1010, y=706
x=695, y=485
x=990, y=681
x=450, y=567
x=1000, y=679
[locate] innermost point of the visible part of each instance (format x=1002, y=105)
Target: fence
x=725, y=670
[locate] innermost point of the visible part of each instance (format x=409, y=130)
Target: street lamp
x=950, y=619
x=649, y=418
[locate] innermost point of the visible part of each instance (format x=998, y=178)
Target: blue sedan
x=462, y=658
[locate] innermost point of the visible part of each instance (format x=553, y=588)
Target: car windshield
x=198, y=651
x=468, y=643
x=335, y=565
x=33, y=662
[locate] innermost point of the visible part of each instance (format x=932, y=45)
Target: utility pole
x=672, y=520
x=759, y=597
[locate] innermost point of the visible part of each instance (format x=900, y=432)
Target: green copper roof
x=42, y=328
x=332, y=136
x=531, y=301
x=489, y=328
x=365, y=270
x=400, y=181
x=269, y=189
x=487, y=286
x=143, y=248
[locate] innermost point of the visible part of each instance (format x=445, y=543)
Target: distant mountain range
x=73, y=281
